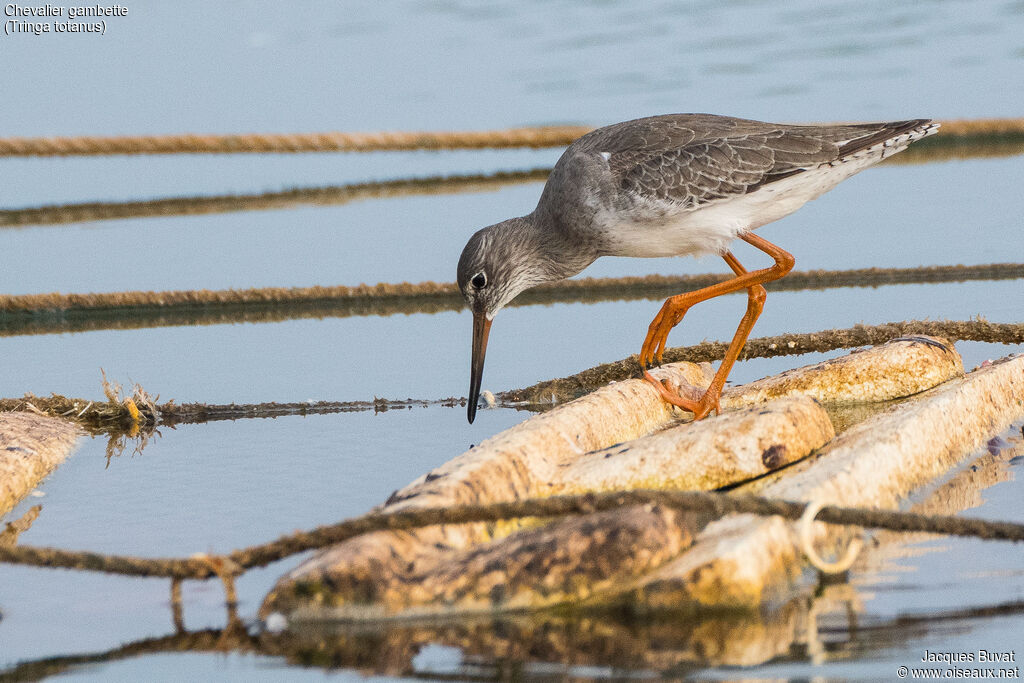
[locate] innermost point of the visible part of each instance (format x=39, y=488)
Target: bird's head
x=497, y=263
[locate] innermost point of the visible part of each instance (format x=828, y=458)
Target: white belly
x=654, y=229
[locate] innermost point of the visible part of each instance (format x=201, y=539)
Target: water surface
x=454, y=65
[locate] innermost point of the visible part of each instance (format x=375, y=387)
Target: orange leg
x=675, y=308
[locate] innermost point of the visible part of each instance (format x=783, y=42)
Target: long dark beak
x=481, y=328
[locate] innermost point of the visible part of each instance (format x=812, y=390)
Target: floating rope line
x=277, y=143
x=141, y=411
x=790, y=344
x=318, y=196
x=958, y=149
x=63, y=214
x=274, y=143
x=717, y=504
x=653, y=286
x=116, y=416
x=52, y=313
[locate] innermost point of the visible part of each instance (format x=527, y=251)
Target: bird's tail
x=885, y=139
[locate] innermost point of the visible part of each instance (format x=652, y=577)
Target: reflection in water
x=664, y=643
x=11, y=530
x=58, y=313
x=462, y=64
x=830, y=625
x=964, y=491
x=820, y=630
x=118, y=442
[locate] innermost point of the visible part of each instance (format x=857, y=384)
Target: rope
x=115, y=415
x=62, y=214
x=320, y=196
x=789, y=344
x=272, y=143
x=717, y=504
x=534, y=137
x=446, y=294
x=982, y=127
x=57, y=313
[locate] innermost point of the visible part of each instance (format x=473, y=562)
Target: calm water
x=260, y=66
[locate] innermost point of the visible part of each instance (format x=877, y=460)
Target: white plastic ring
x=807, y=544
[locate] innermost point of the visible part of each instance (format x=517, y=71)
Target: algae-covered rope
x=535, y=137
x=114, y=414
x=446, y=293
x=717, y=504
x=790, y=344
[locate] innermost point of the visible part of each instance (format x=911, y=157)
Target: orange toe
x=700, y=408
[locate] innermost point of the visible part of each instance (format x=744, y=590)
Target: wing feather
x=693, y=159
x=700, y=172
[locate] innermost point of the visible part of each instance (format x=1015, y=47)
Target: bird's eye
x=479, y=281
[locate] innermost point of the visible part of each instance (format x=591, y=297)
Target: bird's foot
x=670, y=315
x=700, y=407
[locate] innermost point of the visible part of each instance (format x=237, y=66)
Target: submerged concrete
x=643, y=555
x=702, y=456
x=744, y=561
x=899, y=368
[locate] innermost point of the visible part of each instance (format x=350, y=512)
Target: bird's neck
x=557, y=252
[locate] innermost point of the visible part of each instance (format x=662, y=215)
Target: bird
x=669, y=185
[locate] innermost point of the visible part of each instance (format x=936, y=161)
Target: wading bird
x=668, y=186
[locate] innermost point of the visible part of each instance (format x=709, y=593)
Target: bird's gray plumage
x=693, y=159
x=651, y=169
x=661, y=186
